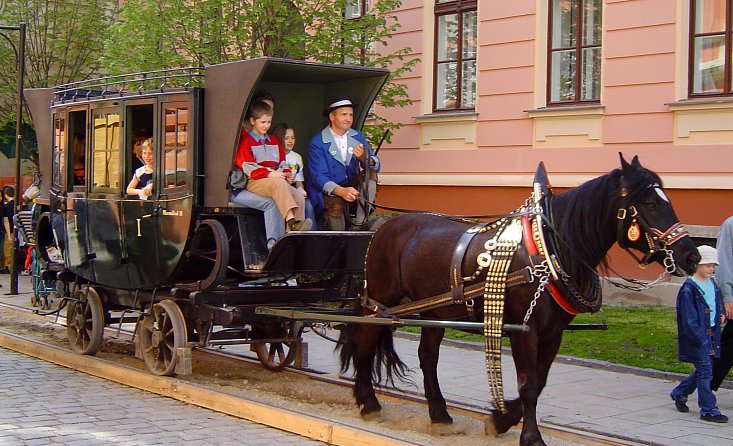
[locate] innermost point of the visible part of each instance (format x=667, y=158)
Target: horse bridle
x=657, y=240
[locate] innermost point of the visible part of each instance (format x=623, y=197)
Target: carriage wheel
x=276, y=356
x=210, y=249
x=84, y=321
x=160, y=334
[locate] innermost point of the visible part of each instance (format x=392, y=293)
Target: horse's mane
x=585, y=220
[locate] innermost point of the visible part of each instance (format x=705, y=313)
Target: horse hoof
x=444, y=419
x=371, y=416
x=490, y=428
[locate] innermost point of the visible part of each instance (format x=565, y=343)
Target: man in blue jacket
x=333, y=154
x=699, y=314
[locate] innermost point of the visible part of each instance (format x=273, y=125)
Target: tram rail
x=318, y=429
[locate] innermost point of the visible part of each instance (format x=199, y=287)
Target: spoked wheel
x=277, y=355
x=209, y=253
x=84, y=321
x=161, y=333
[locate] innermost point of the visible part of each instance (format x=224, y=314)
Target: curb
x=308, y=426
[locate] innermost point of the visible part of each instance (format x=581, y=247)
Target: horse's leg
x=428, y=351
x=534, y=368
x=364, y=343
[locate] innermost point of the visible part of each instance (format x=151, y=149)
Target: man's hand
x=359, y=151
x=347, y=193
x=728, y=309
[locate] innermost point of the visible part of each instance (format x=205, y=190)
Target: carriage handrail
x=125, y=83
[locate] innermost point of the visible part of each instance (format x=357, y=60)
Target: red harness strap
x=551, y=287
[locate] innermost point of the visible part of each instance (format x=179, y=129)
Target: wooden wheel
x=160, y=334
x=209, y=252
x=277, y=355
x=84, y=321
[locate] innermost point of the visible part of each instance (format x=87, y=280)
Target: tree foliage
x=64, y=39
x=175, y=33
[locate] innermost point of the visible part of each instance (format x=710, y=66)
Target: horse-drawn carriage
x=186, y=259
x=192, y=269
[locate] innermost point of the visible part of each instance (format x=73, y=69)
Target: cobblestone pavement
x=45, y=404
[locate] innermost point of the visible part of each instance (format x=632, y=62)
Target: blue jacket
x=325, y=168
x=693, y=320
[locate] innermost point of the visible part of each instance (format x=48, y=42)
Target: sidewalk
x=598, y=399
x=626, y=405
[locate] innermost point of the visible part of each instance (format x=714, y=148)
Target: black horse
x=410, y=257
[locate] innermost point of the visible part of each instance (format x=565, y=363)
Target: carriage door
x=140, y=213
x=76, y=209
x=105, y=188
x=175, y=174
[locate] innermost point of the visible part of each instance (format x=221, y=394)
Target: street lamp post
x=20, y=62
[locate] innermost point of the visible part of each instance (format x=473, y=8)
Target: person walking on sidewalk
x=724, y=277
x=699, y=314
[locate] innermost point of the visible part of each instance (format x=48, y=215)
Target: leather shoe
x=715, y=418
x=680, y=405
x=304, y=225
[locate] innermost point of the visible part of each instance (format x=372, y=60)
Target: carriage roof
x=228, y=89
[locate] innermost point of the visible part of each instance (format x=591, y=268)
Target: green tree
x=175, y=33
x=64, y=39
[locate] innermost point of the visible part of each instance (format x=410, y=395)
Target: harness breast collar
x=541, y=249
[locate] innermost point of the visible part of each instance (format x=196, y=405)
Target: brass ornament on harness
x=507, y=240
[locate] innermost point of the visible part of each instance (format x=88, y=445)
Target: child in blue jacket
x=699, y=315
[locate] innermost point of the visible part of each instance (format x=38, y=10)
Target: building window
x=574, y=60
x=356, y=50
x=356, y=9
x=711, y=43
x=455, y=55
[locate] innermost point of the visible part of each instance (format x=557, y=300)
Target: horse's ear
x=624, y=164
x=628, y=168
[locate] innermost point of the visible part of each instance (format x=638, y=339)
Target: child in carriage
x=286, y=134
x=141, y=183
x=262, y=158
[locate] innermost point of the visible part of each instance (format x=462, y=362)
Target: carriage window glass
x=176, y=146
x=59, y=152
x=456, y=27
x=711, y=70
x=106, y=151
x=574, y=53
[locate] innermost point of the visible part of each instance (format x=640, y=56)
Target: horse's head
x=648, y=224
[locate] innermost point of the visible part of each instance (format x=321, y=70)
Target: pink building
x=503, y=85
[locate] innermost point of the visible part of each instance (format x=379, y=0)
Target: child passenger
x=141, y=183
x=699, y=315
x=262, y=158
x=286, y=134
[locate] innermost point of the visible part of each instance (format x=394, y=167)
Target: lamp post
x=20, y=62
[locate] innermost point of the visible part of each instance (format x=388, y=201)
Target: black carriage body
x=119, y=241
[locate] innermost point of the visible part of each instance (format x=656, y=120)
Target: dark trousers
x=722, y=365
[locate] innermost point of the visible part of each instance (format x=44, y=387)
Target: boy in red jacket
x=262, y=158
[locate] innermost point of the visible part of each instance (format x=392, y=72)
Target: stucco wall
x=643, y=111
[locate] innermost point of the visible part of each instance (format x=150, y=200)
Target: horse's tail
x=350, y=341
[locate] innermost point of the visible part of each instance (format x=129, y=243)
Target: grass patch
x=639, y=336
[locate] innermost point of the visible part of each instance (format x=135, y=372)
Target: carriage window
x=106, y=151
x=175, y=146
x=59, y=152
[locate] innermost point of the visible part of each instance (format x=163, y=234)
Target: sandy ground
x=405, y=421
